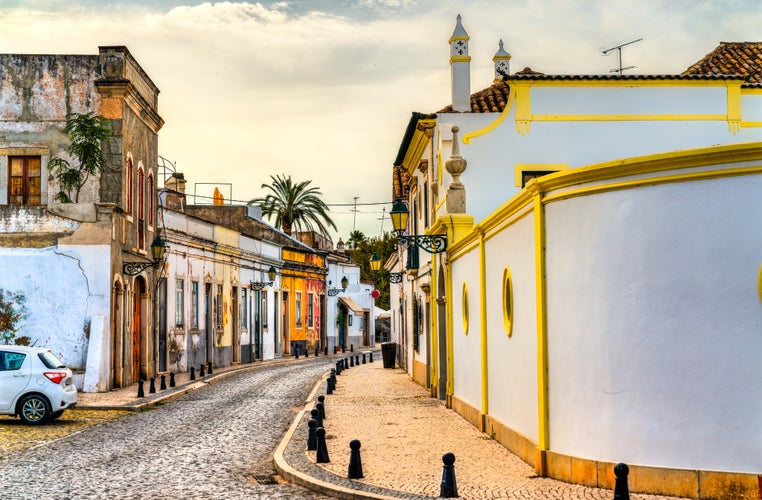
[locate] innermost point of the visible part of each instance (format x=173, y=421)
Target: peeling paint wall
x=61, y=286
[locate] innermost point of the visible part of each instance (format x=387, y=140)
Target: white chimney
x=460, y=69
x=502, y=63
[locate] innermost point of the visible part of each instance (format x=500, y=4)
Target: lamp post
x=259, y=285
x=432, y=243
x=158, y=249
x=332, y=292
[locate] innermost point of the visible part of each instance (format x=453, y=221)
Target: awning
x=352, y=305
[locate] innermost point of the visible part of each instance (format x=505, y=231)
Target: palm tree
x=355, y=238
x=295, y=206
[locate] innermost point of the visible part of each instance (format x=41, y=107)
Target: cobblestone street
x=212, y=443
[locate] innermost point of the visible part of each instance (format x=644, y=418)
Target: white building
x=600, y=291
x=350, y=310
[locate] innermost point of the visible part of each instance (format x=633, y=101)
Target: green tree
x=12, y=313
x=295, y=206
x=383, y=247
x=355, y=238
x=87, y=132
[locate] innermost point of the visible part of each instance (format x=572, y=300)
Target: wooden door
x=136, y=327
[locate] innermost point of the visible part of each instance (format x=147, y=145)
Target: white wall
x=653, y=325
x=513, y=360
x=64, y=288
x=467, y=379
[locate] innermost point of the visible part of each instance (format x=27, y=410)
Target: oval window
x=465, y=308
x=508, y=301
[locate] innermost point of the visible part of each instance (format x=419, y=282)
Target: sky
x=323, y=90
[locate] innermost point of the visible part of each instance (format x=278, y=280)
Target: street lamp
x=332, y=292
x=259, y=285
x=432, y=243
x=158, y=249
x=375, y=262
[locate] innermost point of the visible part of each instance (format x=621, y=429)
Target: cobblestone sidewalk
x=404, y=434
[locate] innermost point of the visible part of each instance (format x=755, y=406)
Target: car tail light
x=55, y=377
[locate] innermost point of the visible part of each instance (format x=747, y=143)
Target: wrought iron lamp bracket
x=432, y=243
x=135, y=268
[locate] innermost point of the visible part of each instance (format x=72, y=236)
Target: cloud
x=324, y=89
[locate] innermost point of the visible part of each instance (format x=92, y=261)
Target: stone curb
x=292, y=475
x=177, y=392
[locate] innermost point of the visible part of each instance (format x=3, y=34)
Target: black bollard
x=343, y=349
x=311, y=436
x=322, y=449
x=193, y=373
x=317, y=351
x=355, y=464
x=329, y=385
x=335, y=349
x=296, y=349
x=306, y=352
x=201, y=371
x=326, y=351
x=339, y=367
x=141, y=394
x=163, y=385
x=209, y=366
x=363, y=358
x=621, y=490
x=371, y=357
x=171, y=379
x=152, y=386
x=346, y=364
x=357, y=360
x=449, y=488
x=351, y=348
x=315, y=413
x=321, y=406
x=351, y=361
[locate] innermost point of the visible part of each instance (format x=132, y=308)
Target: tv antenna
x=618, y=48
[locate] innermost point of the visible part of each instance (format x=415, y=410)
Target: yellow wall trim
x=652, y=181
x=467, y=411
x=492, y=126
x=483, y=320
x=543, y=431
x=687, y=483
x=520, y=168
x=626, y=117
x=524, y=116
x=516, y=443
x=714, y=155
x=458, y=59
x=419, y=373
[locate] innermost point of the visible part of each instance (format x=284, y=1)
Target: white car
x=34, y=384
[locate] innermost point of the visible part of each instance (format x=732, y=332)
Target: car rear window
x=50, y=360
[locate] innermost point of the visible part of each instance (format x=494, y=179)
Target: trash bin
x=388, y=352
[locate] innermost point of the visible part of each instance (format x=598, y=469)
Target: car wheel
x=56, y=414
x=34, y=409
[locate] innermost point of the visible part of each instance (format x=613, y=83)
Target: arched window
x=141, y=208
x=151, y=199
x=128, y=187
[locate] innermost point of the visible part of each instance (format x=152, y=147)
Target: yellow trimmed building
x=600, y=296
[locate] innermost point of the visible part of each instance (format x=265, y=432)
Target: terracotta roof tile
x=490, y=100
x=732, y=58
x=400, y=183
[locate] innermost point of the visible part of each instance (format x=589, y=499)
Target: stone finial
x=456, y=165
